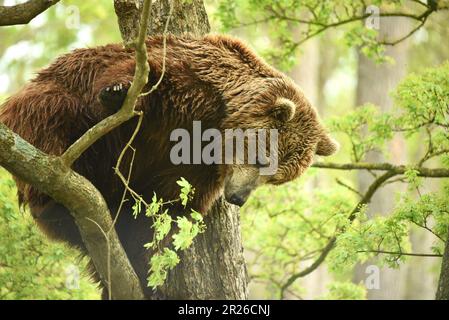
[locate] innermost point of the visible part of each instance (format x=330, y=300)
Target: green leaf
x=186, y=190
x=160, y=264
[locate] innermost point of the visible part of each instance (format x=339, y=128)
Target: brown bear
x=214, y=79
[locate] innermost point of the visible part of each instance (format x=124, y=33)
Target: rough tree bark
x=214, y=266
x=443, y=282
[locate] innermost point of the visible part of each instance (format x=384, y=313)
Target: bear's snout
x=237, y=199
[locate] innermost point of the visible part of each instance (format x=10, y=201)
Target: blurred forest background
x=384, y=104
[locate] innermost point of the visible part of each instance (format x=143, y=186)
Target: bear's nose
x=237, y=200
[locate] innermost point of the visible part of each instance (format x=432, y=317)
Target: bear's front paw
x=112, y=97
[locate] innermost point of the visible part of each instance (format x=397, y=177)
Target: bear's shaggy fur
x=215, y=79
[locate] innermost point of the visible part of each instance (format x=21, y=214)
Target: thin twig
x=125, y=191
x=402, y=253
x=343, y=184
x=164, y=52
x=323, y=26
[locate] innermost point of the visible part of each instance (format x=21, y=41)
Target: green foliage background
x=30, y=266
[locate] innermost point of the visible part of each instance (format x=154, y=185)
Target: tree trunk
x=443, y=283
x=214, y=266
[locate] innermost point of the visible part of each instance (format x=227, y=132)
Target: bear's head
x=275, y=113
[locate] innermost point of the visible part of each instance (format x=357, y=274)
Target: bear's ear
x=283, y=110
x=326, y=146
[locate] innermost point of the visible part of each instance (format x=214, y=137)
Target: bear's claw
x=112, y=97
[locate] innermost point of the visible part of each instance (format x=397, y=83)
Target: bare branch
x=338, y=21
x=330, y=245
x=53, y=176
x=23, y=13
x=345, y=185
x=401, y=169
x=309, y=269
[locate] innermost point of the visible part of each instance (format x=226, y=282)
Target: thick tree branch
x=24, y=12
x=51, y=176
x=318, y=261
